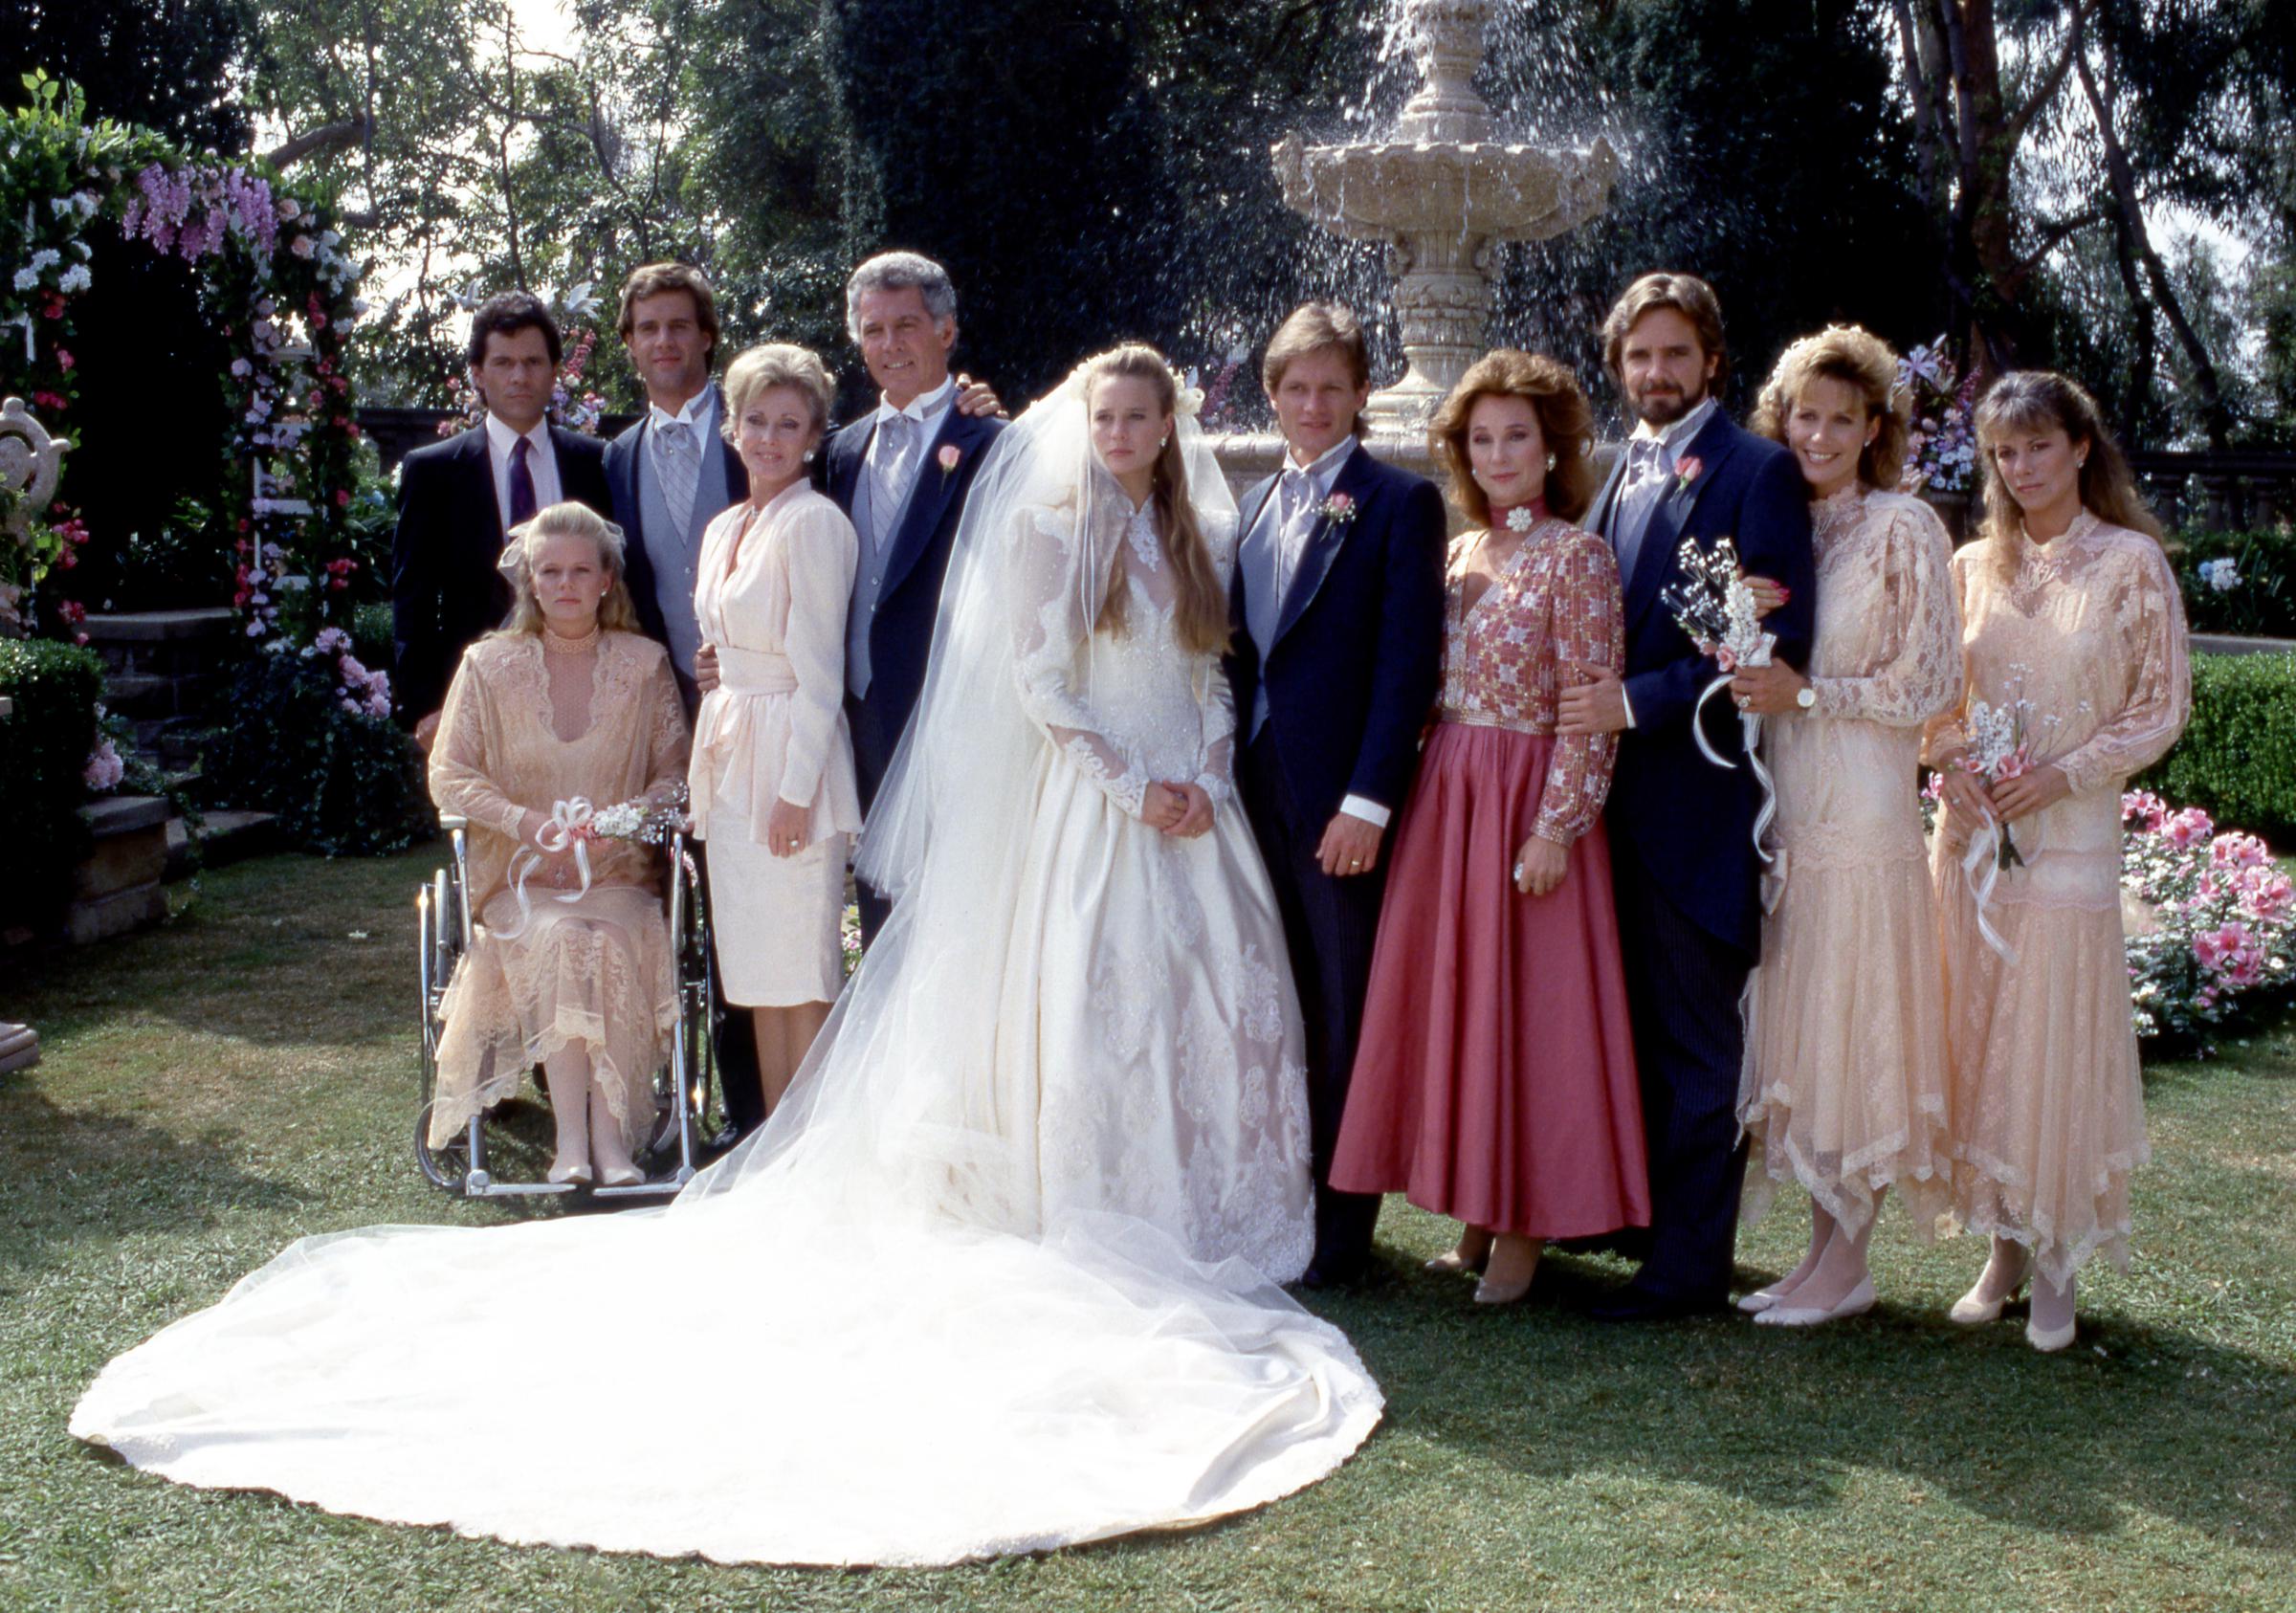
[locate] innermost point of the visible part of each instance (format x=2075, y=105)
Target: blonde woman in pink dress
x=772, y=781
x=2068, y=606
x=567, y=700
x=1844, y=1090
x=1494, y=1080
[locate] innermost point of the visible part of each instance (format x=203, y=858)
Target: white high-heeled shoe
x=622, y=1175
x=1974, y=1309
x=577, y=1175
x=2049, y=1344
x=1760, y=1301
x=1855, y=1303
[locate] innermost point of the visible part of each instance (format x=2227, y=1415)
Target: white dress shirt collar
x=695, y=412
x=922, y=408
x=502, y=439
x=1676, y=438
x=1324, y=470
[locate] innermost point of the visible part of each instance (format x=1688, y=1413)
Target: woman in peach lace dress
x=1494, y=1080
x=1843, y=1091
x=2068, y=606
x=568, y=699
x=773, y=792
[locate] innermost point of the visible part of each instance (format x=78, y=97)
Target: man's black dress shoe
x=1631, y=1304
x=1333, y=1274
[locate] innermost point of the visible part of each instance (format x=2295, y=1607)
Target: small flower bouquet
x=2000, y=748
x=643, y=823
x=1714, y=607
x=2211, y=923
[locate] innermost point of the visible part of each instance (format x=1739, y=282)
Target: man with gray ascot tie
x=900, y=473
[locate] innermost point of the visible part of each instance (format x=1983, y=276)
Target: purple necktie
x=521, y=484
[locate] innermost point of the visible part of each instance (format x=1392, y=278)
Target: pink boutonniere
x=1338, y=509
x=1688, y=472
x=948, y=456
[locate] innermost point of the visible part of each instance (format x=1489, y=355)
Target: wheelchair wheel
x=438, y=922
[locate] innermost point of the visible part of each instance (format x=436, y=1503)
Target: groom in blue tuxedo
x=1685, y=872
x=900, y=474
x=1336, y=658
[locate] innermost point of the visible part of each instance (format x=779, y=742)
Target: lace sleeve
x=1587, y=626
x=466, y=746
x=1917, y=673
x=2147, y=612
x=1941, y=736
x=1049, y=629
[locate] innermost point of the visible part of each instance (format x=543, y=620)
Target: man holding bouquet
x=1686, y=873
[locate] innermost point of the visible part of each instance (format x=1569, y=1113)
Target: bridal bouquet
x=1714, y=607
x=2001, y=741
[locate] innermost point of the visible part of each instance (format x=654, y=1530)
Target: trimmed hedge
x=44, y=748
x=2237, y=757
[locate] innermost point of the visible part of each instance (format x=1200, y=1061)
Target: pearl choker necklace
x=561, y=644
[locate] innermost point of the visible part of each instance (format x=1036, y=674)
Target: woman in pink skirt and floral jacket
x=1494, y=1080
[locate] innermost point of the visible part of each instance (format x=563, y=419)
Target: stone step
x=19, y=1046
x=222, y=837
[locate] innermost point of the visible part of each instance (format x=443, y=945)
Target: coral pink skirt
x=1495, y=1077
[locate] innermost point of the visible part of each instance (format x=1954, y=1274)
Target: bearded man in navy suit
x=458, y=500
x=1685, y=872
x=1337, y=612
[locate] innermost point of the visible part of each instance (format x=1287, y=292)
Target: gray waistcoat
x=676, y=557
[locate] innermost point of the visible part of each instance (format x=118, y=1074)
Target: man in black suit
x=1685, y=872
x=1335, y=660
x=458, y=500
x=900, y=473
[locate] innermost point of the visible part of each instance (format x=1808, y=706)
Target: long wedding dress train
x=999, y=1275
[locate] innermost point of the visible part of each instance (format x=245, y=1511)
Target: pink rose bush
x=2216, y=938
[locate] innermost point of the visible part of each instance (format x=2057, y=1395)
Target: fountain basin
x=1381, y=191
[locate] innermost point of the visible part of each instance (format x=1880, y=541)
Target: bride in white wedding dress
x=1011, y=1245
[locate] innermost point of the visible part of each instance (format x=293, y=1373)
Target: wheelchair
x=684, y=1087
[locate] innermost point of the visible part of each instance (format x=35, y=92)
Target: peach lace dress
x=2045, y=1102
x=1843, y=1089
x=525, y=728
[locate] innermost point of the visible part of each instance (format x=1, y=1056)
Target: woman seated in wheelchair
x=566, y=700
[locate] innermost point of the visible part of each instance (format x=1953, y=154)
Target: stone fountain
x=1441, y=190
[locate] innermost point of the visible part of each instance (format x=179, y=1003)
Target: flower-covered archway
x=271, y=276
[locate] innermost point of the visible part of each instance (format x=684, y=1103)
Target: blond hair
x=1566, y=420
x=775, y=364
x=1316, y=327
x=1862, y=362
x=617, y=613
x=2027, y=398
x=1201, y=612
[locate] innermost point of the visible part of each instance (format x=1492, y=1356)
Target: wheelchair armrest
x=451, y=822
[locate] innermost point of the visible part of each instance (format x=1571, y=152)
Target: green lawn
x=242, y=1077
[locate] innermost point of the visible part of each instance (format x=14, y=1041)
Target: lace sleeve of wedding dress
x=1051, y=629
x=1916, y=673
x=1589, y=629
x=458, y=756
x=2130, y=586
x=1942, y=737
